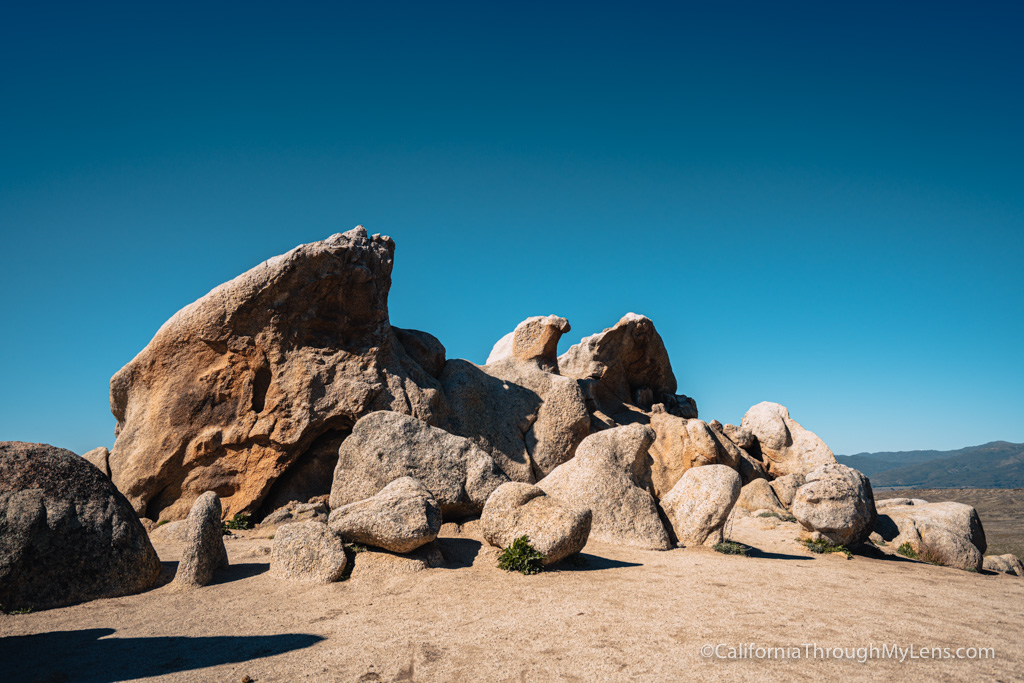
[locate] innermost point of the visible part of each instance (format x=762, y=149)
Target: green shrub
x=521, y=557
x=162, y=522
x=776, y=515
x=730, y=548
x=824, y=546
x=907, y=550
x=239, y=521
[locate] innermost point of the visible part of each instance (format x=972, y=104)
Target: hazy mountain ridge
x=998, y=464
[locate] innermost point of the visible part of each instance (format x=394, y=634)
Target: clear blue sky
x=818, y=203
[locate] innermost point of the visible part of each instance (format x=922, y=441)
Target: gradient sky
x=819, y=204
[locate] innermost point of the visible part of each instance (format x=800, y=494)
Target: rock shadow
x=585, y=562
x=91, y=657
x=459, y=553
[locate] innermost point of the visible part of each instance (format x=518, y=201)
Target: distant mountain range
x=993, y=465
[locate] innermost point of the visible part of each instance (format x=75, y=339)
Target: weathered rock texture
x=555, y=529
x=758, y=495
x=204, y=551
x=401, y=518
x=700, y=502
x=786, y=487
x=611, y=476
x=534, y=339
x=66, y=534
x=627, y=365
x=385, y=446
x=307, y=552
x=837, y=502
x=1006, y=564
x=679, y=445
x=100, y=458
x=786, y=446
x=945, y=533
x=246, y=384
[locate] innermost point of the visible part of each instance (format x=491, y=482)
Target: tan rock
x=785, y=487
x=837, y=502
x=307, y=552
x=610, y=475
x=99, y=457
x=400, y=518
x=236, y=388
x=534, y=339
x=679, y=445
x=1005, y=564
x=758, y=495
x=946, y=533
x=699, y=504
x=555, y=530
x=786, y=446
x=385, y=446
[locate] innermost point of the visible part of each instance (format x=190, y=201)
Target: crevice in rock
x=309, y=476
x=260, y=386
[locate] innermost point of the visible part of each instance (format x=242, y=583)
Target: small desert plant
x=776, y=515
x=823, y=546
x=23, y=610
x=239, y=521
x=521, y=557
x=730, y=548
x=907, y=550
x=162, y=522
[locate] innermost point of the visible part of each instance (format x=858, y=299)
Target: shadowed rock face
x=235, y=388
x=66, y=534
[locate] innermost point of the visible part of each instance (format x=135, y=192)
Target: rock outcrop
x=385, y=446
x=611, y=476
x=307, y=552
x=1005, y=564
x=787, y=448
x=204, y=551
x=627, y=365
x=534, y=339
x=555, y=529
x=680, y=444
x=700, y=502
x=947, y=533
x=66, y=534
x=838, y=503
x=240, y=391
x=401, y=518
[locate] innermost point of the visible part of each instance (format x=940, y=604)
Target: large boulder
x=385, y=446
x=249, y=390
x=517, y=407
x=307, y=552
x=555, y=530
x=787, y=448
x=400, y=518
x=611, y=476
x=946, y=533
x=700, y=502
x=1005, y=564
x=838, y=503
x=66, y=534
x=627, y=364
x=204, y=551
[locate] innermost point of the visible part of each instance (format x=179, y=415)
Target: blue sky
x=818, y=204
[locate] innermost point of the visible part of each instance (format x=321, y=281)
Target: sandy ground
x=622, y=615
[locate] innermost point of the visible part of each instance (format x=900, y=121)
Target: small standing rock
x=837, y=502
x=204, y=546
x=700, y=502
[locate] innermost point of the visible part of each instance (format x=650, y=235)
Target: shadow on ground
x=584, y=562
x=90, y=656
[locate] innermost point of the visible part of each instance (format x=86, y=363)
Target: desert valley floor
x=620, y=614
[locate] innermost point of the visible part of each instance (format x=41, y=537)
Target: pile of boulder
x=286, y=394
